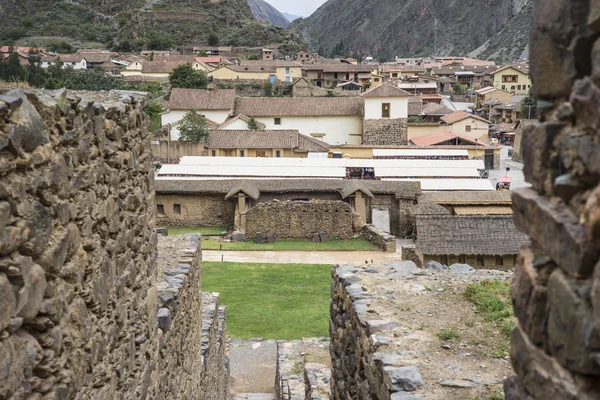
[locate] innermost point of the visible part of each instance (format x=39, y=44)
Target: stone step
x=254, y=396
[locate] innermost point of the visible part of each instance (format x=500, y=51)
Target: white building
x=334, y=120
x=215, y=105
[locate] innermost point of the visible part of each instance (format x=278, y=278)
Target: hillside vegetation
x=498, y=29
x=136, y=24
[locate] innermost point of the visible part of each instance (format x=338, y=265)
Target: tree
x=252, y=124
x=268, y=89
x=186, y=77
x=193, y=127
x=153, y=110
x=202, y=53
x=213, y=39
x=11, y=69
x=253, y=57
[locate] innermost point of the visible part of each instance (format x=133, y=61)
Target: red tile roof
x=459, y=116
x=440, y=137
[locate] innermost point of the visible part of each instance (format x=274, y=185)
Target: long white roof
x=432, y=185
x=419, y=152
x=272, y=162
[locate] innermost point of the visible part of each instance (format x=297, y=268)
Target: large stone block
x=559, y=38
x=556, y=230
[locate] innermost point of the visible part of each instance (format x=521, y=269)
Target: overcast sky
x=297, y=7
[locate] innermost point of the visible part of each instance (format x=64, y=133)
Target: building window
x=277, y=121
x=503, y=87
x=510, y=78
x=376, y=79
x=395, y=75
x=278, y=153
x=335, y=75
x=385, y=110
x=518, y=87
x=177, y=209
x=260, y=153
x=287, y=71
x=213, y=153
x=242, y=153
x=512, y=88
x=468, y=128
x=160, y=210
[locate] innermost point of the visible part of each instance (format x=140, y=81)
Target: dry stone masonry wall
x=301, y=219
x=193, y=350
x=379, y=238
x=79, y=299
x=385, y=132
x=556, y=290
x=77, y=246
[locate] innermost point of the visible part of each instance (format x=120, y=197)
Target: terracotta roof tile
x=200, y=99
x=459, y=116
x=386, y=90
x=299, y=106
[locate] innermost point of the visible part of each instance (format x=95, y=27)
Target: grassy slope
x=356, y=244
x=272, y=301
x=204, y=230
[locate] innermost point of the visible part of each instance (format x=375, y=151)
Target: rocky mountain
x=134, y=24
x=291, y=17
x=263, y=11
x=493, y=29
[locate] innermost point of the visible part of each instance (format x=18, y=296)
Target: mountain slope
x=291, y=17
x=388, y=28
x=263, y=11
x=135, y=24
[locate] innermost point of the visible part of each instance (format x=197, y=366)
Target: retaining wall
x=378, y=238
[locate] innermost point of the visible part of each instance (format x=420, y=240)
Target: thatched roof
x=299, y=106
x=472, y=235
x=401, y=190
x=427, y=208
x=246, y=187
x=352, y=186
x=200, y=99
x=468, y=198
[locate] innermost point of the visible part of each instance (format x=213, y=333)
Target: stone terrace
x=384, y=345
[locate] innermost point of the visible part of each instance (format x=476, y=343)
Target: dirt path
x=253, y=366
x=354, y=258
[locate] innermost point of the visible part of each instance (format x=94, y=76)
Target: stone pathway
x=253, y=364
x=353, y=258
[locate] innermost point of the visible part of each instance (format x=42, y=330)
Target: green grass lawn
x=272, y=301
x=204, y=230
x=354, y=244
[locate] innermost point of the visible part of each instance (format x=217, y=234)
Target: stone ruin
x=83, y=312
x=556, y=289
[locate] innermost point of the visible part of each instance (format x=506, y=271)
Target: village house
x=212, y=50
x=505, y=112
x=513, y=78
x=489, y=95
x=304, y=57
x=262, y=143
x=474, y=76
x=329, y=75
x=266, y=71
x=468, y=125
x=517, y=154
x=75, y=61
x=268, y=55
x=399, y=71
x=215, y=105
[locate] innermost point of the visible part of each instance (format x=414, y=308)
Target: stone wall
x=195, y=210
x=303, y=370
x=166, y=151
x=79, y=300
x=192, y=351
x=301, y=219
x=385, y=132
x=556, y=289
x=77, y=246
x=378, y=238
